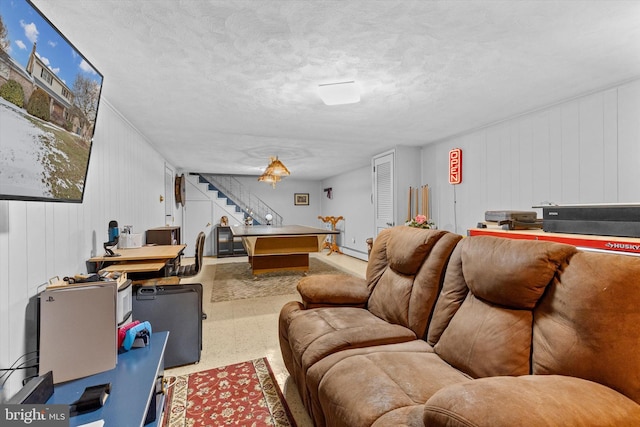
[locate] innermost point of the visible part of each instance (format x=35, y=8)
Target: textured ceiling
x=219, y=85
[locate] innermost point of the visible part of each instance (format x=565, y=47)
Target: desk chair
x=193, y=269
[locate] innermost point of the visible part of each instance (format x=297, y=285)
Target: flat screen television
x=49, y=97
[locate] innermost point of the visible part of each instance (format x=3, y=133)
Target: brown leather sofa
x=506, y=333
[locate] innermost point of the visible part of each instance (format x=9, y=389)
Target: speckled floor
x=236, y=331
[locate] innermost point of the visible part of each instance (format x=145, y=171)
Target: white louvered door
x=383, y=192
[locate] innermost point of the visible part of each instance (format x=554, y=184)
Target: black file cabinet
x=227, y=245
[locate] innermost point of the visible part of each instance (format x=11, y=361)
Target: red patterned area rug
x=244, y=394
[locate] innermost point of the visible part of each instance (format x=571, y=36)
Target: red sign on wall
x=455, y=166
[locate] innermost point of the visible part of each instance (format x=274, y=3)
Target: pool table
x=286, y=247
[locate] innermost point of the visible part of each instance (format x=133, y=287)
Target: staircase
x=240, y=198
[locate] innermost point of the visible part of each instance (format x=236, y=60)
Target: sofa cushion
x=483, y=321
x=453, y=293
x=588, y=325
x=317, y=333
x=405, y=291
x=534, y=401
x=511, y=273
x=309, y=336
x=391, y=382
x=485, y=340
x=316, y=373
x=325, y=290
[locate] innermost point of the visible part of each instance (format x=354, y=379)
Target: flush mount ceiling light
x=339, y=93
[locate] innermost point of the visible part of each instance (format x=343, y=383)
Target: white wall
x=281, y=198
x=586, y=150
x=39, y=240
x=352, y=200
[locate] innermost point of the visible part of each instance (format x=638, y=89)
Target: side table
x=333, y=246
x=136, y=388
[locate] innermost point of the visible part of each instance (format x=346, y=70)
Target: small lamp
x=269, y=218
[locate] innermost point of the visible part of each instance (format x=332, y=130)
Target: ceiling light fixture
x=277, y=168
x=269, y=179
x=339, y=93
x=274, y=172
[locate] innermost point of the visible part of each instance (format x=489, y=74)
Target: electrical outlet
x=353, y=240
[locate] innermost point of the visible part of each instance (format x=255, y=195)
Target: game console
x=67, y=313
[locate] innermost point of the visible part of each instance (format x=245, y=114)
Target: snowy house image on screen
x=49, y=96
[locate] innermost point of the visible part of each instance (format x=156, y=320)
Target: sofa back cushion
x=588, y=324
x=482, y=323
x=405, y=273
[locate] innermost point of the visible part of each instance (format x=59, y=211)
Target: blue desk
x=133, y=384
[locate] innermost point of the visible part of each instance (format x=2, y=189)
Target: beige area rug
x=234, y=281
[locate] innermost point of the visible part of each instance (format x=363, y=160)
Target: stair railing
x=250, y=204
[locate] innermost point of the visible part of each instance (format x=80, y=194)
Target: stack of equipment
x=514, y=220
x=622, y=220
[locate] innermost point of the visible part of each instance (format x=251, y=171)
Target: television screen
x=49, y=96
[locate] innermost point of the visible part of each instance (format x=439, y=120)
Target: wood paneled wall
x=586, y=150
x=40, y=240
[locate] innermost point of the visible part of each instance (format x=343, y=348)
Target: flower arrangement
x=421, y=221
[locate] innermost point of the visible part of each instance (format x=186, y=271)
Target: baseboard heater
x=621, y=220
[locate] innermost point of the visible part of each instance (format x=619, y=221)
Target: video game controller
x=140, y=330
x=122, y=331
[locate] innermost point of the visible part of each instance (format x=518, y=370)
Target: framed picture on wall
x=301, y=199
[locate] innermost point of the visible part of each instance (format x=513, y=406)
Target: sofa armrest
x=534, y=400
x=326, y=290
